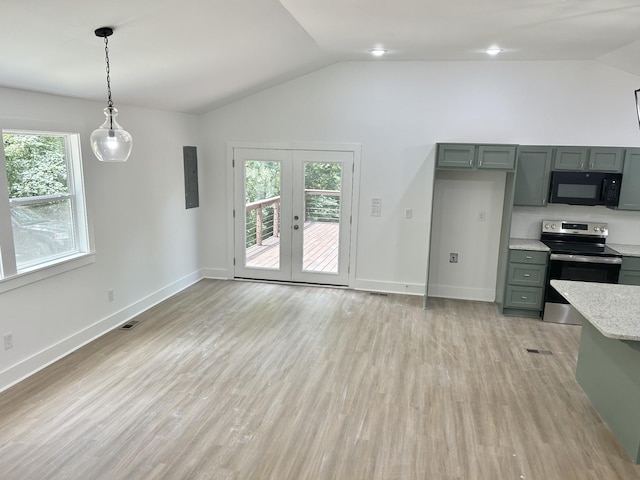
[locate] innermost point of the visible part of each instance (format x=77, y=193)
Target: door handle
x=296, y=227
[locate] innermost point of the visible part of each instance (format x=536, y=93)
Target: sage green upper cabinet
x=468, y=156
x=456, y=155
x=532, y=176
x=606, y=159
x=630, y=186
x=499, y=157
x=570, y=158
x=595, y=159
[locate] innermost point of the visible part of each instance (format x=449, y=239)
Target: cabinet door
x=452, y=155
x=630, y=186
x=532, y=176
x=570, y=158
x=606, y=159
x=629, y=277
x=499, y=157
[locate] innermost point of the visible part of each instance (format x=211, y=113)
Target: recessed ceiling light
x=493, y=51
x=377, y=52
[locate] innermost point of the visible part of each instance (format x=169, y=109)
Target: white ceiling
x=194, y=55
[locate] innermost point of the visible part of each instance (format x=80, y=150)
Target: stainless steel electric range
x=578, y=252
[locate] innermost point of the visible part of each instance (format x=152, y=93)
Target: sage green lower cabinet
x=608, y=371
x=630, y=271
x=630, y=186
x=526, y=278
x=533, y=170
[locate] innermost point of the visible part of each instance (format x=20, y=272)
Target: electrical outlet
x=482, y=217
x=376, y=211
x=110, y=295
x=453, y=258
x=8, y=341
x=408, y=213
x=376, y=202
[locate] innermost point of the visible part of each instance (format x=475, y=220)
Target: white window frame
x=10, y=277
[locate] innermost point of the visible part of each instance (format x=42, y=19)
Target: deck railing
x=263, y=216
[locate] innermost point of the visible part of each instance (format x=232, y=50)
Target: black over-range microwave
x=585, y=188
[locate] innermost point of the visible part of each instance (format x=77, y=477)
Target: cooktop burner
x=577, y=238
x=580, y=248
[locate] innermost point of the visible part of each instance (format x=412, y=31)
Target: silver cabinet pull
x=524, y=298
x=527, y=275
x=528, y=257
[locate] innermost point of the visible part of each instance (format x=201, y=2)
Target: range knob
x=596, y=228
x=546, y=226
x=553, y=226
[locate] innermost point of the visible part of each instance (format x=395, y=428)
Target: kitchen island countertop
x=611, y=308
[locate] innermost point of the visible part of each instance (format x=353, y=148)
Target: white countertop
x=613, y=309
x=527, y=244
x=627, y=250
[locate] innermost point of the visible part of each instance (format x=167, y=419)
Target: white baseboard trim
x=389, y=287
x=18, y=372
x=462, y=293
x=216, y=273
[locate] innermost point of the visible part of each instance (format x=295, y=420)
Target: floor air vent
x=129, y=325
x=380, y=294
x=543, y=352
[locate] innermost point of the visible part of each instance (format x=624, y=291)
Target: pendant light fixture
x=110, y=142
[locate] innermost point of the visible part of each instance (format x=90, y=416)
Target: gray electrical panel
x=190, y=176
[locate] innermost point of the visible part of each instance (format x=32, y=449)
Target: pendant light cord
x=106, y=54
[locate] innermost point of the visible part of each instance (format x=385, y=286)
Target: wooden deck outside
x=320, y=249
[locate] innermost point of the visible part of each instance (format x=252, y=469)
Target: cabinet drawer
x=630, y=263
x=528, y=256
x=525, y=274
x=524, y=297
x=629, y=277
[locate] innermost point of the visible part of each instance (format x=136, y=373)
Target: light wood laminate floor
x=240, y=380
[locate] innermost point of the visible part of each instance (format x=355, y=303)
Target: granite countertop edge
x=528, y=244
x=614, y=310
x=625, y=250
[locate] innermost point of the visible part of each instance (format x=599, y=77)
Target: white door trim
x=355, y=148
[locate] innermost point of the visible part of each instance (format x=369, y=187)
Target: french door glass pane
x=322, y=195
x=262, y=218
x=42, y=232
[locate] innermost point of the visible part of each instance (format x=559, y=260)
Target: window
x=44, y=211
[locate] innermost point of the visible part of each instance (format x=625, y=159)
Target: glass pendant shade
x=110, y=142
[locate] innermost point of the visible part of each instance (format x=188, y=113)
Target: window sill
x=45, y=271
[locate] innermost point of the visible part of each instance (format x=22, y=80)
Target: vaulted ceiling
x=194, y=55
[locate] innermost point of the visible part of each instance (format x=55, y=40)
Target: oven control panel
x=575, y=228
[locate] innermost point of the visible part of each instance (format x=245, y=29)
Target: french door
x=292, y=215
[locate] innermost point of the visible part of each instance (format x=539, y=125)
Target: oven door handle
x=563, y=257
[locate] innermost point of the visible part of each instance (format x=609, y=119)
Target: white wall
x=146, y=243
x=458, y=201
x=398, y=111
